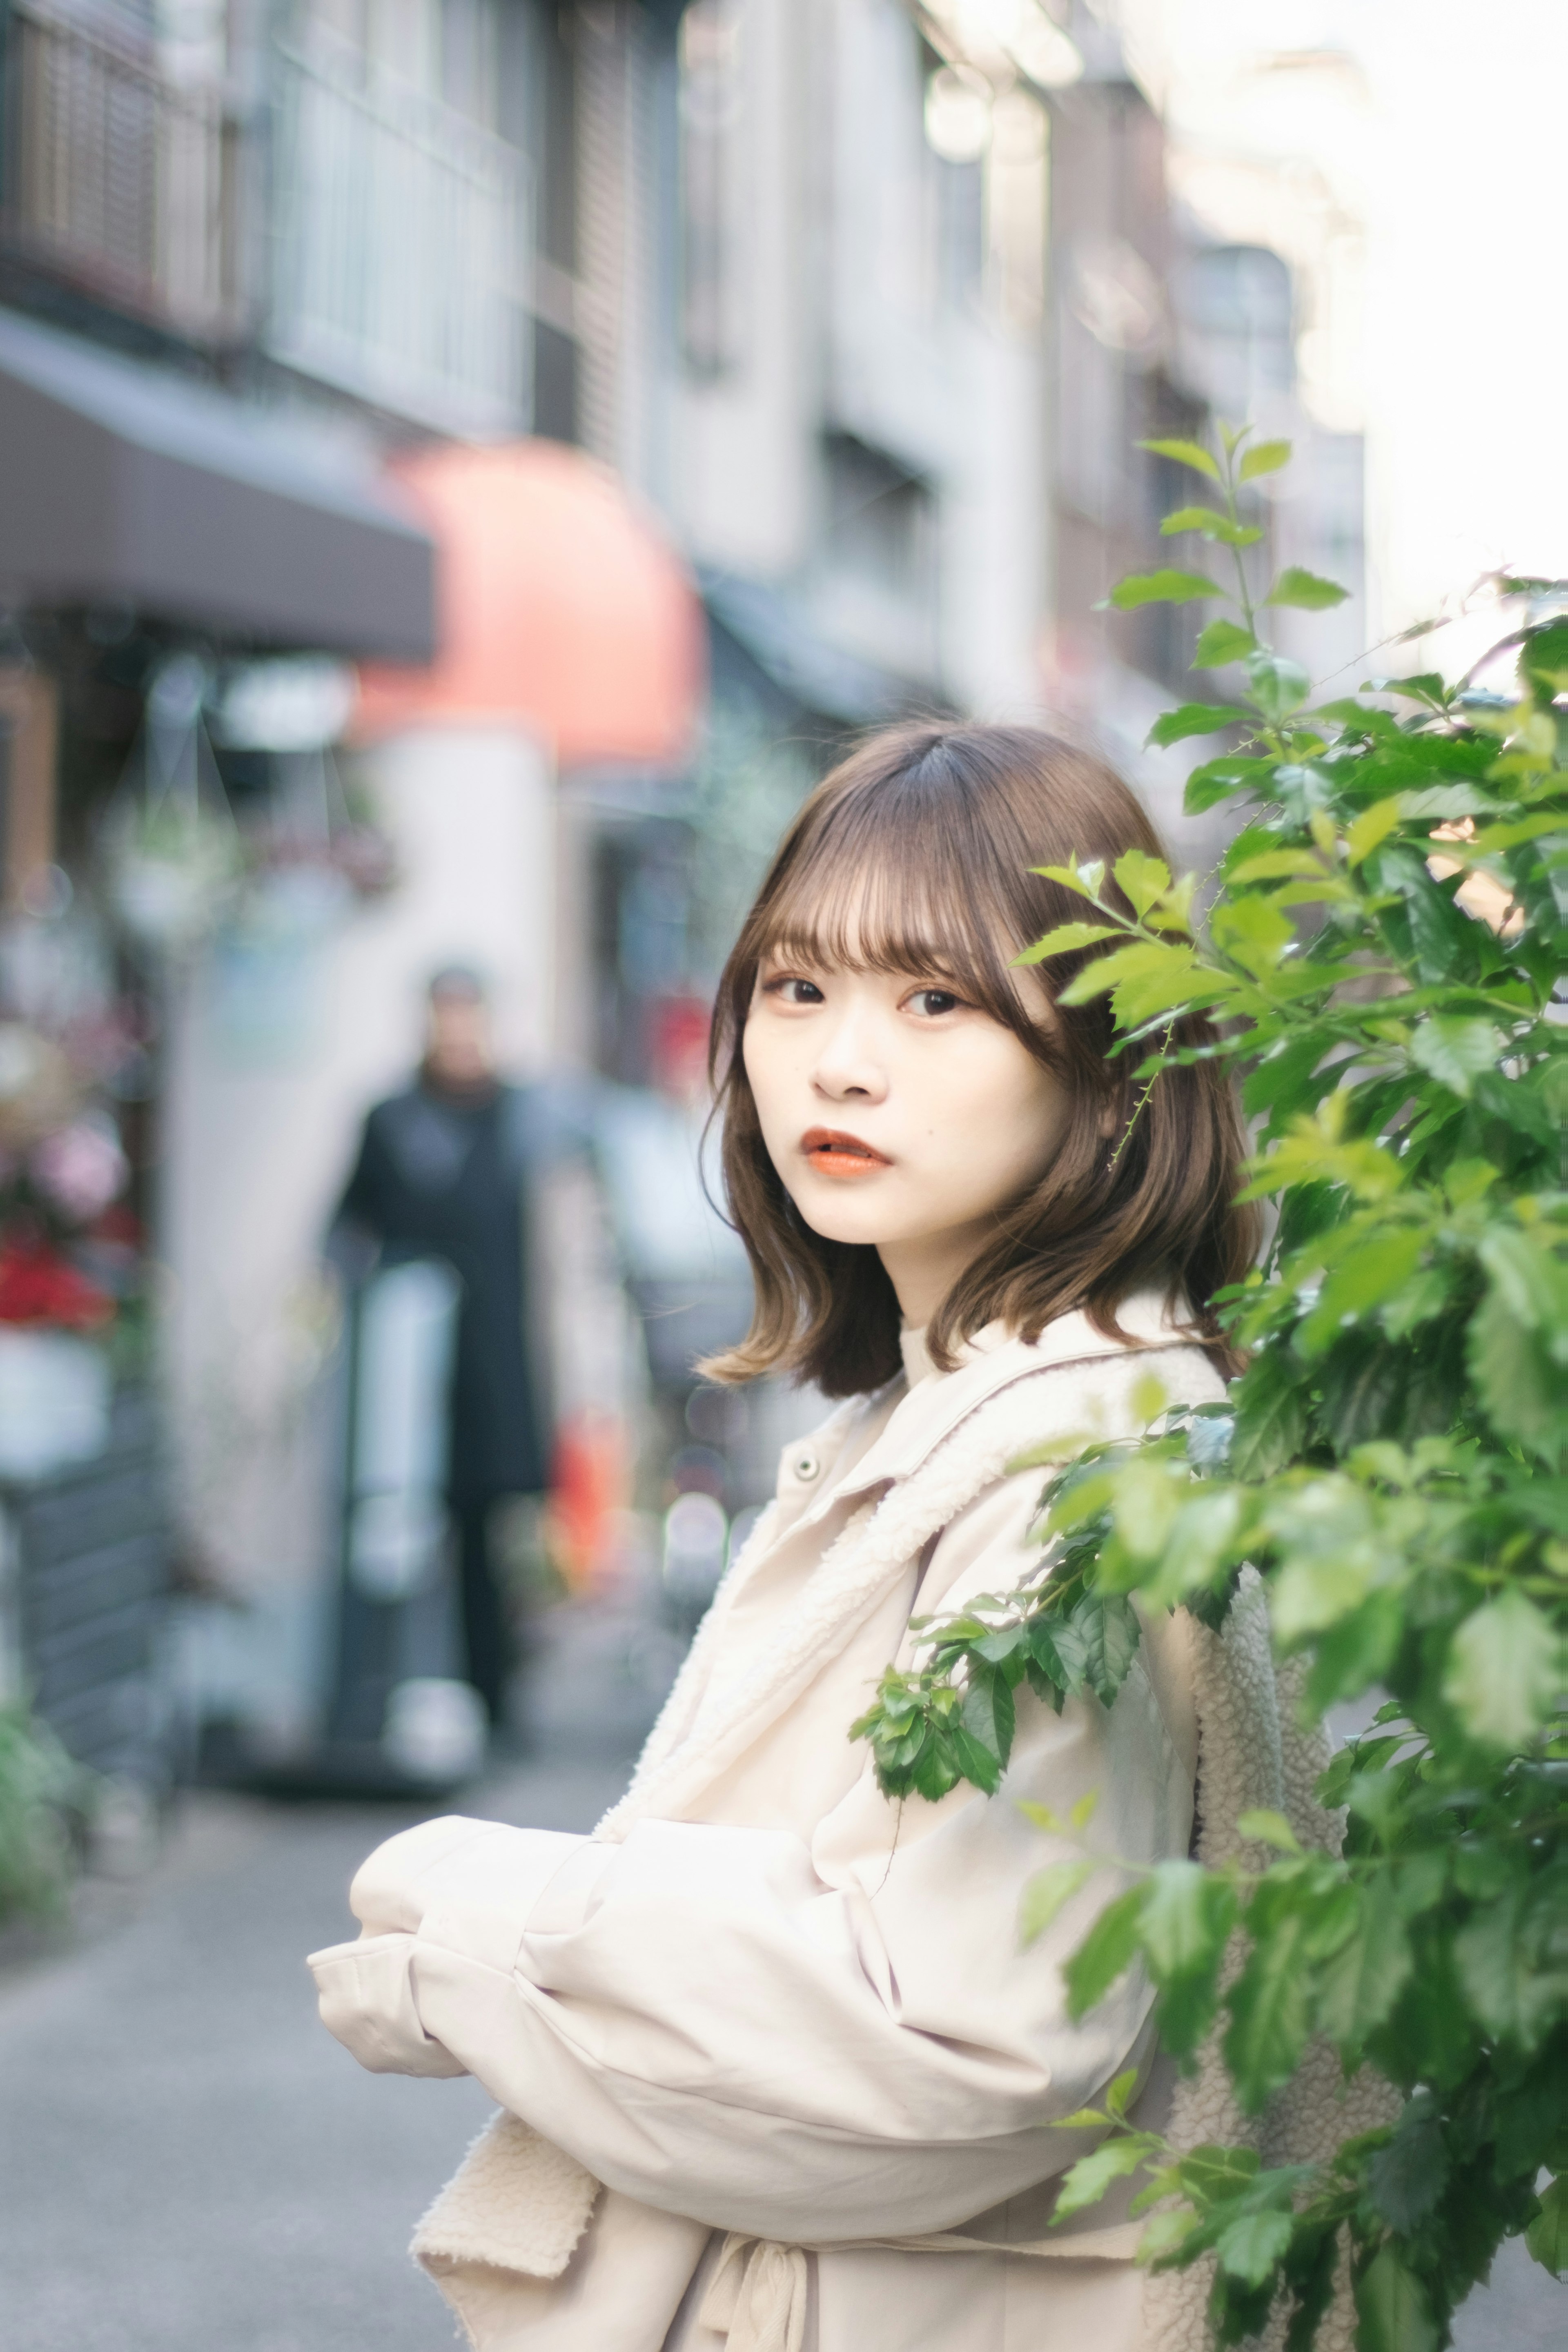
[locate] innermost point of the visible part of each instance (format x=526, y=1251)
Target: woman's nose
x=849, y=1069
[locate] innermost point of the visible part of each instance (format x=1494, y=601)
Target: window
x=712, y=315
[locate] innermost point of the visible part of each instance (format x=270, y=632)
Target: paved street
x=190, y=2165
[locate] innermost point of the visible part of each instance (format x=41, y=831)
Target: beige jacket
x=774, y=2068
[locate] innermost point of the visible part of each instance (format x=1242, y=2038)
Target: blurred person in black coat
x=445, y=1171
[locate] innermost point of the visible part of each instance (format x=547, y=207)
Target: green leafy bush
x=43, y=1794
x=1386, y=955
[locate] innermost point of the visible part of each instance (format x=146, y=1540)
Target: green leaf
x=1212, y=525
x=1211, y=2175
x=1424, y=686
x=987, y=1711
x=1264, y=457
x=1269, y=2016
x=1547, y=2236
x=1216, y=779
x=1201, y=1543
x=1145, y=1507
x=1305, y=591
x=1067, y=939
x=1533, y=1281
x=1370, y=1272
x=1142, y=880
x=1253, y=932
x=1503, y=1672
x=1278, y=685
x=1160, y=588
x=1086, y=2182
x=1373, y=826
x=1118, y=2097
x=1107, y=1952
x=1392, y=2309
x=933, y=1771
x=1249, y=2248
x=1277, y=866
x=1521, y=1389
x=1456, y=1052
x=1108, y=1626
x=1184, y=453
x=1405, y=2178
x=1192, y=719
x=1187, y=1918
x=1048, y=1892
x=1221, y=643
x=1529, y=2120
x=1313, y=1592
x=1272, y=1416
x=1311, y=2271
x=1059, y=1650
x=1509, y=1999
x=1083, y=880
x=1145, y=959
x=1163, y=2233
x=975, y=1759
x=1269, y=1829
x=1313, y=1153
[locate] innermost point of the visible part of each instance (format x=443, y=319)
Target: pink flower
x=79, y=1169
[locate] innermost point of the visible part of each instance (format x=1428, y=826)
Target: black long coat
x=447, y=1175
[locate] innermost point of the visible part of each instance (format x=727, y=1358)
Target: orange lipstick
x=832, y=1152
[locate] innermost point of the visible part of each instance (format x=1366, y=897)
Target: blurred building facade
x=698, y=384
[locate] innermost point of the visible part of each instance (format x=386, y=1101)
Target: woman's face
x=897, y=1114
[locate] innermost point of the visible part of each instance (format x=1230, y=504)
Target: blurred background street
x=466, y=468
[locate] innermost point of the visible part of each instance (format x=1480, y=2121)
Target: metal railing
x=117, y=178
x=401, y=240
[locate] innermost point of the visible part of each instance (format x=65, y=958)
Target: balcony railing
x=401, y=238
x=118, y=179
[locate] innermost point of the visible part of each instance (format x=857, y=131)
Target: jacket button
x=806, y=1466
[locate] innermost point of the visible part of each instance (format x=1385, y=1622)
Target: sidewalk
x=189, y=2164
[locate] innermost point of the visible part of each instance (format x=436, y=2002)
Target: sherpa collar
x=704, y=1727
x=994, y=1360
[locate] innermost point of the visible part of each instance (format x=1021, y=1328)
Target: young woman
x=774, y=2069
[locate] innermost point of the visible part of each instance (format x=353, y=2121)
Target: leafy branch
x=1387, y=958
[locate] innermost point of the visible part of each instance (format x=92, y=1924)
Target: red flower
x=38, y=1286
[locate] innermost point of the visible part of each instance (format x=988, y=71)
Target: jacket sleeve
x=823, y=2040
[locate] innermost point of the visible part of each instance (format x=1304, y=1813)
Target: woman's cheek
x=766, y=1078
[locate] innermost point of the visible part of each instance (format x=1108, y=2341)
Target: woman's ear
x=1109, y=1118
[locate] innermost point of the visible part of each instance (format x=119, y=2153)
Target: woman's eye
x=933, y=1002
x=791, y=991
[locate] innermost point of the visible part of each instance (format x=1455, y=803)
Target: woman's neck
x=922, y=1271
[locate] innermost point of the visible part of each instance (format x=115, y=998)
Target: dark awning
x=123, y=481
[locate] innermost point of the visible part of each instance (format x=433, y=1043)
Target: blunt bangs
x=915, y=855
x=904, y=881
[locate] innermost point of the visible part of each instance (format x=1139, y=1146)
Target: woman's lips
x=832, y=1152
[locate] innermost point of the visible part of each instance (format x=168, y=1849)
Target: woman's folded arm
x=707, y=2021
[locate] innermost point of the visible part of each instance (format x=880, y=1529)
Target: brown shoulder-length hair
x=914, y=855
